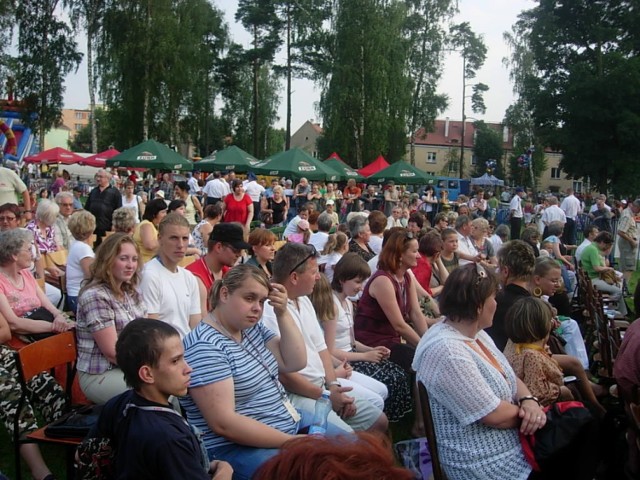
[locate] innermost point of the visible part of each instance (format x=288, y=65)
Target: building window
x=431, y=157
x=555, y=172
x=577, y=187
x=79, y=115
x=78, y=126
x=315, y=154
x=453, y=167
x=474, y=160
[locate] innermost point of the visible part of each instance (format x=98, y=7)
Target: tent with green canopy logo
x=151, y=155
x=230, y=158
x=401, y=173
x=295, y=164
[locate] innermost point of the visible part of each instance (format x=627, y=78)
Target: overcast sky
x=489, y=18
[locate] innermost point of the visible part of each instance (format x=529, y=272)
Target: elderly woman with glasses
x=360, y=235
x=389, y=310
x=477, y=402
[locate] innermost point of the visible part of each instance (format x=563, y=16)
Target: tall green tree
x=426, y=39
x=303, y=24
x=473, y=52
x=366, y=98
x=157, y=63
x=487, y=146
x=582, y=93
x=46, y=54
x=260, y=18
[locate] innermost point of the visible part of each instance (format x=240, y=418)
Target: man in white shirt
x=467, y=253
x=194, y=188
x=515, y=209
x=254, y=190
x=215, y=190
x=571, y=207
x=296, y=267
x=553, y=213
x=478, y=205
x=171, y=292
x=330, y=210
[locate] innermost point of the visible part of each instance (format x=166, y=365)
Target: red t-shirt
x=422, y=272
x=237, y=211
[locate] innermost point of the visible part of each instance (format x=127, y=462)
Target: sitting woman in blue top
x=235, y=397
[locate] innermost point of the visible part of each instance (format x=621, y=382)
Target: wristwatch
x=333, y=383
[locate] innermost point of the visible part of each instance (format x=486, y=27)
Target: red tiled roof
x=438, y=137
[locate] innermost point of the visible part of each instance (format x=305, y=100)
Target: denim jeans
x=246, y=460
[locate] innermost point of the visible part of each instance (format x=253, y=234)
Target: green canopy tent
x=401, y=173
x=345, y=171
x=230, y=158
x=295, y=164
x=150, y=155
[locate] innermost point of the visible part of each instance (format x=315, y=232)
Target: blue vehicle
x=454, y=186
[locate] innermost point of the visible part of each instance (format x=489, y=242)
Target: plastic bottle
x=323, y=407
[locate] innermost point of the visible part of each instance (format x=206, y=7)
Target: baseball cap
x=330, y=202
x=519, y=190
x=230, y=233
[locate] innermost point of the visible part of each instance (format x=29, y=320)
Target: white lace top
x=463, y=388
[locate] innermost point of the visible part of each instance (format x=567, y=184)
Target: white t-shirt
x=319, y=240
x=307, y=321
x=344, y=324
x=585, y=243
x=465, y=245
x=254, y=190
x=171, y=296
x=330, y=262
x=375, y=244
x=10, y=186
x=553, y=213
x=571, y=206
x=77, y=252
x=516, y=205
x=132, y=204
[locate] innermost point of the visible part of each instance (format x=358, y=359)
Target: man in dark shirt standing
x=102, y=202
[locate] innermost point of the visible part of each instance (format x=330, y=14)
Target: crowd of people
x=248, y=302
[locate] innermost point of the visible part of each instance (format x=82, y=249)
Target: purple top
x=371, y=324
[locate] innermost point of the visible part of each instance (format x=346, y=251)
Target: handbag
x=267, y=217
x=39, y=313
x=75, y=424
x=565, y=422
x=609, y=276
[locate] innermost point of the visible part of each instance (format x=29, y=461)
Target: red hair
x=362, y=457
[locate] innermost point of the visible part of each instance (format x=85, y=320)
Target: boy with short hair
x=150, y=438
x=449, y=254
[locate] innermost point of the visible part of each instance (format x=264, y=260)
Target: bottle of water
x=323, y=407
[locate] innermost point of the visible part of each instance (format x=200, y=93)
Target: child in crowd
x=336, y=246
x=448, y=255
x=530, y=323
x=302, y=234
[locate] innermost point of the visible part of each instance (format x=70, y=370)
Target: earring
x=537, y=292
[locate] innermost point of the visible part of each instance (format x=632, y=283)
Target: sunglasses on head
x=313, y=253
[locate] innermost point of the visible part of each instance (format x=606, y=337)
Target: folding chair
x=31, y=360
x=430, y=431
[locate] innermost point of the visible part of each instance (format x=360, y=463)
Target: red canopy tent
x=374, y=167
x=54, y=155
x=99, y=160
x=333, y=155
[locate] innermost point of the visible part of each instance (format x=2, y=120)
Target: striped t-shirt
x=214, y=358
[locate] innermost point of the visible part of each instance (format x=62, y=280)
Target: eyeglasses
x=235, y=250
x=312, y=254
x=8, y=219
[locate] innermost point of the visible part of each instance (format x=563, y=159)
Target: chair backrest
x=44, y=355
x=56, y=259
x=430, y=432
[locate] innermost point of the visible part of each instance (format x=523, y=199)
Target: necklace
x=217, y=323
